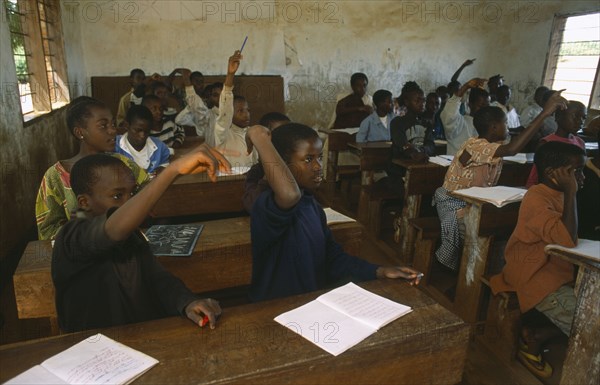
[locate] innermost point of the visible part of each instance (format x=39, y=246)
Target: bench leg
x=423, y=257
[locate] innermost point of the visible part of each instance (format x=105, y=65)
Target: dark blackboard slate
x=173, y=240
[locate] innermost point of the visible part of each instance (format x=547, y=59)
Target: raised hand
x=555, y=102
x=203, y=159
x=234, y=62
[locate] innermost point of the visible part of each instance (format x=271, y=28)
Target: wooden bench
x=428, y=345
x=428, y=233
x=222, y=259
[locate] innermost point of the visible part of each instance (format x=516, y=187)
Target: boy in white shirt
x=503, y=95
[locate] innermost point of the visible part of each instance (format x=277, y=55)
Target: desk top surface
x=247, y=342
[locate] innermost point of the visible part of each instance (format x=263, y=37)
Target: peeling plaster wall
x=316, y=45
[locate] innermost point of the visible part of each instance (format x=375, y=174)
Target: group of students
x=557, y=207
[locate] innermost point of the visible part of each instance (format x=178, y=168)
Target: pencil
x=244, y=43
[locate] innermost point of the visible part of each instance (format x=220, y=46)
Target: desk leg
x=469, y=289
x=582, y=364
x=411, y=209
x=363, y=200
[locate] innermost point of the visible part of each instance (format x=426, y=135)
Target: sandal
x=535, y=364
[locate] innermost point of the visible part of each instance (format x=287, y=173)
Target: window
x=38, y=51
x=573, y=58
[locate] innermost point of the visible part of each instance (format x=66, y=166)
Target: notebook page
x=335, y=217
x=585, y=247
x=364, y=306
x=99, y=360
x=497, y=195
x=330, y=330
x=35, y=376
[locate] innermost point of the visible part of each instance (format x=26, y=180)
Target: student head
x=503, y=94
x=453, y=87
x=302, y=150
x=197, y=80
x=137, y=77
x=442, y=92
x=551, y=156
x=432, y=103
x=161, y=90
x=91, y=122
x=273, y=120
x=478, y=98
x=413, y=98
x=359, y=83
x=100, y=182
x=139, y=122
x=572, y=119
x=212, y=93
x=382, y=99
x=494, y=82
x=539, y=95
x=241, y=111
x=491, y=123
x=154, y=104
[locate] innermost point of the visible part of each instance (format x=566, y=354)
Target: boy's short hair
x=271, y=117
x=547, y=95
x=571, y=105
x=196, y=74
x=453, y=87
x=380, y=96
x=441, y=90
x=156, y=85
x=495, y=78
x=285, y=137
x=540, y=91
x=79, y=110
x=84, y=173
x=555, y=154
x=477, y=93
x=407, y=89
x=150, y=98
x=485, y=117
x=358, y=76
x=136, y=71
x=139, y=112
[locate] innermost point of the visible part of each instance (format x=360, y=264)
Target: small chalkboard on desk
x=173, y=240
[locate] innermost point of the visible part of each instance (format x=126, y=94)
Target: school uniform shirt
x=571, y=139
x=124, y=104
x=529, y=271
x=169, y=134
x=530, y=113
x=102, y=283
x=293, y=251
x=457, y=128
x=587, y=203
x=512, y=118
x=230, y=139
x=56, y=200
x=254, y=186
x=375, y=128
x=154, y=154
x=203, y=118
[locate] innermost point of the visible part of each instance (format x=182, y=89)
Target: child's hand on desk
x=394, y=272
x=202, y=159
x=197, y=310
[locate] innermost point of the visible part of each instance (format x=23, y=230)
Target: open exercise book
x=335, y=217
x=96, y=360
x=585, y=247
x=341, y=318
x=498, y=195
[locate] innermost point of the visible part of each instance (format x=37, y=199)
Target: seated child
x=293, y=251
x=587, y=199
x=593, y=127
x=376, y=127
x=534, y=109
x=170, y=104
x=91, y=122
x=136, y=77
x=432, y=105
x=255, y=177
x=354, y=108
x=548, y=214
x=233, y=120
x=457, y=127
x=494, y=83
x=166, y=130
x=479, y=163
x=147, y=152
x=102, y=267
x=569, y=122
x=502, y=98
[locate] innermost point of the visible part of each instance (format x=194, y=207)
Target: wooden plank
x=222, y=259
x=428, y=345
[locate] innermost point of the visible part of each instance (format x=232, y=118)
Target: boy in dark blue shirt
x=293, y=250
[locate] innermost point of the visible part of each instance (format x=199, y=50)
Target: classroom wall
x=316, y=45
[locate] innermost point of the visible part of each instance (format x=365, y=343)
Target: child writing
x=293, y=250
x=233, y=120
x=457, y=127
x=569, y=122
x=479, y=163
x=91, y=122
x=376, y=127
x=102, y=267
x=165, y=130
x=147, y=152
x=548, y=214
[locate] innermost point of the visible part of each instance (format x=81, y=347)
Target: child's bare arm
x=277, y=173
x=232, y=67
x=517, y=143
x=467, y=63
x=564, y=178
x=475, y=82
x=128, y=217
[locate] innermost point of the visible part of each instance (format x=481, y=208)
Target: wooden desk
x=582, y=364
x=428, y=346
x=222, y=259
x=188, y=145
x=337, y=140
x=196, y=194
